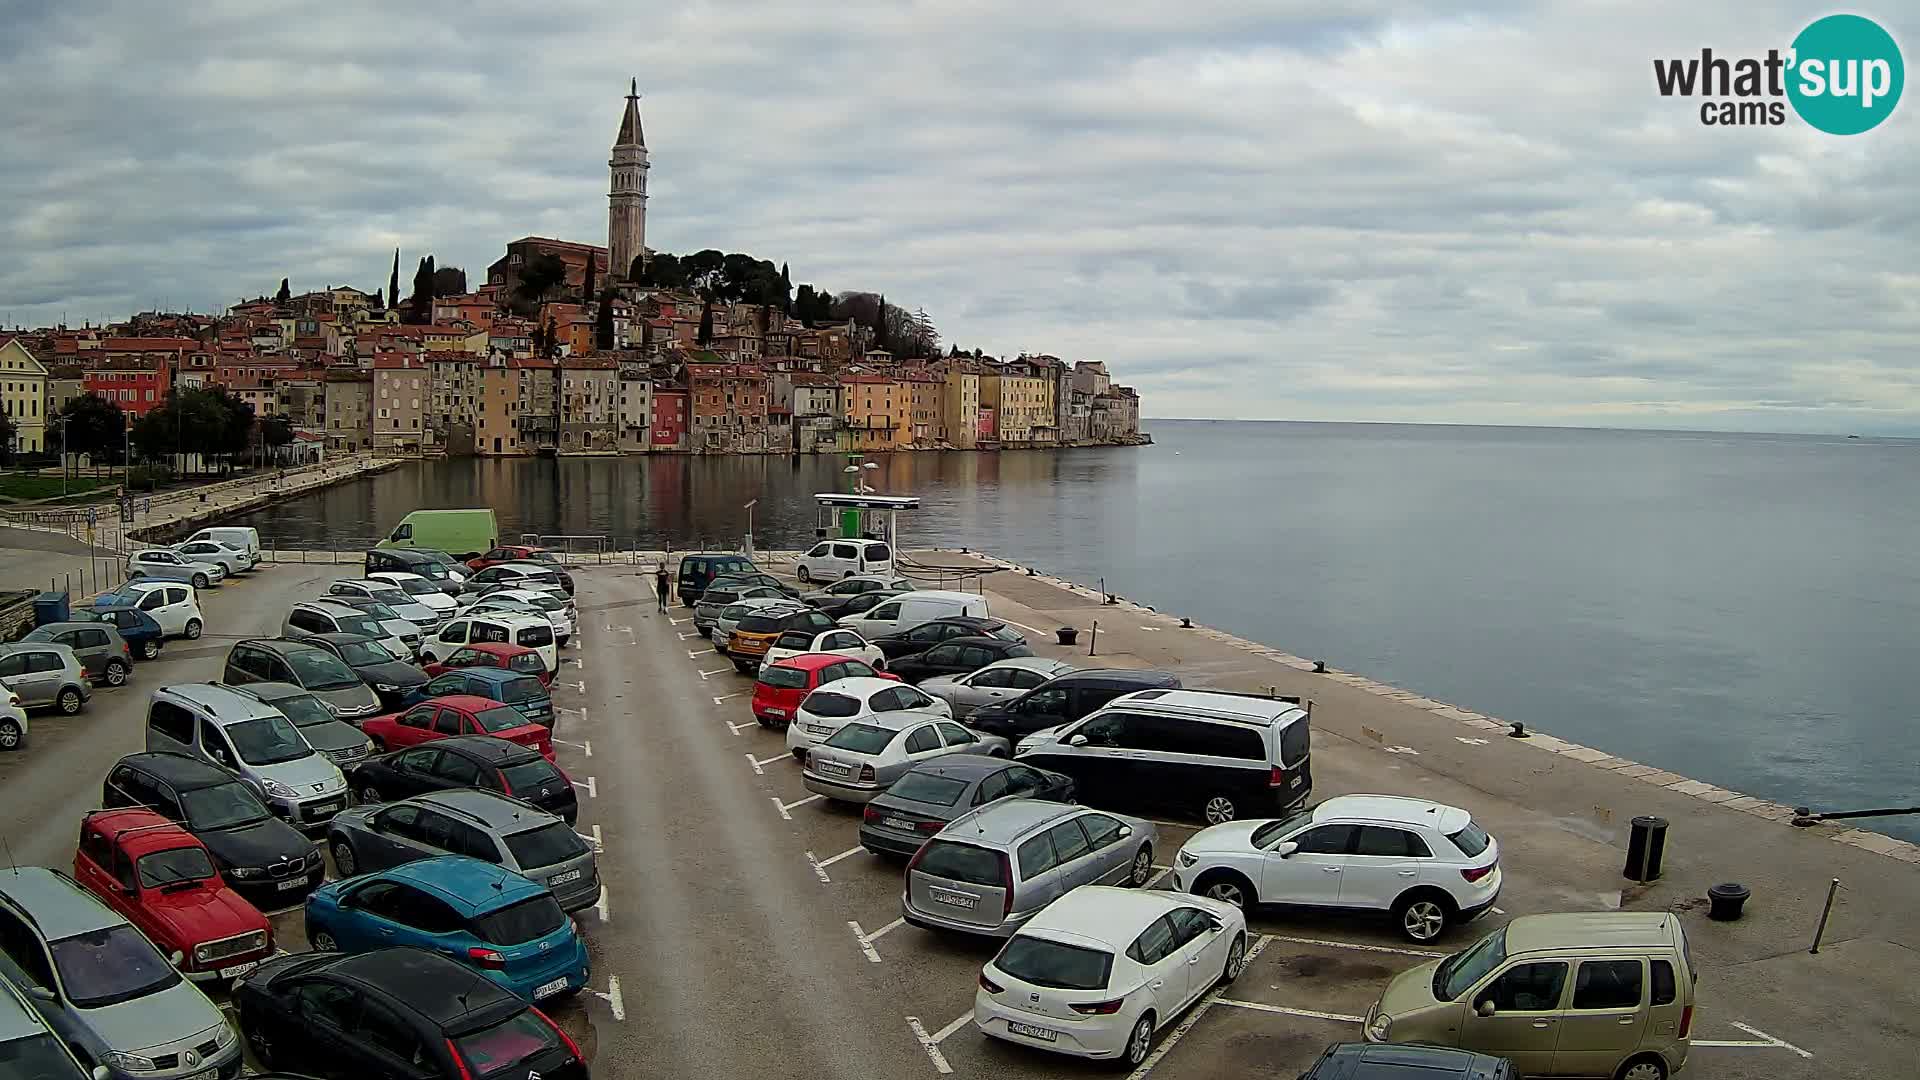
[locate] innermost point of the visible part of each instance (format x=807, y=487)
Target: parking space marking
x=580, y=686
x=710, y=674
x=599, y=845
x=735, y=694
x=592, y=786
x=866, y=942
x=697, y=654
x=1285, y=1011
x=842, y=855
x=1200, y=1009
x=585, y=746
x=783, y=807
x=1354, y=945
x=684, y=637
x=1154, y=881
x=600, y=905
x=735, y=728
x=887, y=929
x=820, y=865
x=1763, y=1040
x=760, y=764
x=576, y=661
x=931, y=1043
x=613, y=999
x=582, y=710
x=678, y=622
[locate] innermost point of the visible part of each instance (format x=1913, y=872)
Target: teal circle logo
x=1846, y=74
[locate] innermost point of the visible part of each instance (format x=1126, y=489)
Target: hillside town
x=573, y=349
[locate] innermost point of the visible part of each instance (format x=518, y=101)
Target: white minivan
x=908, y=610
x=247, y=539
x=173, y=604
x=831, y=560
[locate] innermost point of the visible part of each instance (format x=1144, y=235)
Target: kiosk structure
x=861, y=517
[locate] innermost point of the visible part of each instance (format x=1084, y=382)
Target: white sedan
x=839, y=642
x=1102, y=969
x=419, y=588
x=1002, y=680
x=841, y=702
x=233, y=560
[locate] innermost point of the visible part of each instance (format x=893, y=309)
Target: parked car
x=928, y=796
x=455, y=568
x=713, y=601
x=783, y=684
x=162, y=879
x=1064, y=699
x=391, y=624
x=513, y=553
x=380, y=561
x=360, y=1012
x=265, y=859
x=830, y=559
x=393, y=680
x=44, y=675
x=104, y=655
x=991, y=869
x=855, y=585
x=310, y=618
x=341, y=742
x=423, y=616
x=504, y=831
x=174, y=606
x=1427, y=864
x=858, y=762
x=698, y=569
x=908, y=610
x=252, y=740
x=13, y=721
x=467, y=761
x=846, y=643
x=493, y=654
x=1206, y=753
x=526, y=693
x=934, y=631
x=138, y=629
x=841, y=702
x=558, y=610
x=464, y=533
x=243, y=537
x=520, y=575
x=509, y=627
x=1099, y=973
x=102, y=986
x=1361, y=1061
x=422, y=589
x=311, y=668
x=507, y=928
x=755, y=577
x=28, y=1042
x=839, y=607
x=458, y=714
x=954, y=657
x=161, y=564
x=756, y=631
x=235, y=561
x=1626, y=1012
x=730, y=616
x=1002, y=680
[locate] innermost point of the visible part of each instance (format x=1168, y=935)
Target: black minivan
x=1064, y=699
x=696, y=571
x=412, y=561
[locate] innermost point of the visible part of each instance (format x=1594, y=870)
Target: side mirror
x=40, y=993
x=1077, y=740
x=1286, y=848
x=1126, y=831
x=100, y=1073
x=1485, y=1008
x=176, y=958
x=1214, y=926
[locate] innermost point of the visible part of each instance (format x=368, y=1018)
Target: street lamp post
x=749, y=509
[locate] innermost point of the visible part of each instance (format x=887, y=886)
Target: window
x=1110, y=730
x=171, y=721
x=1392, y=843
x=923, y=739
x=1295, y=740
x=1327, y=840
x=885, y=612
x=335, y=1005
x=420, y=716
x=1189, y=924
x=1055, y=964
x=1607, y=984
x=955, y=735
x=1471, y=840
x=1154, y=943
x=1036, y=856
x=458, y=770
x=1528, y=987
x=447, y=722
x=1069, y=841
x=1663, y=984
x=943, y=656
x=22, y=946
x=215, y=744
x=421, y=759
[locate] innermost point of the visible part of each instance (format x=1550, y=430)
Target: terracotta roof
x=391, y=361
x=589, y=363
x=725, y=371
x=147, y=344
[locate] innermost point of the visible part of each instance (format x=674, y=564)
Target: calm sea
x=1738, y=608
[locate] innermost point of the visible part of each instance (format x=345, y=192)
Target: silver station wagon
x=863, y=759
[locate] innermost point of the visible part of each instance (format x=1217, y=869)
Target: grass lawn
x=27, y=486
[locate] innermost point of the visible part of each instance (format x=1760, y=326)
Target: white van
x=173, y=604
x=908, y=610
x=247, y=539
x=530, y=629
x=831, y=560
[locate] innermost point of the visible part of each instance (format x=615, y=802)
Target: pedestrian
x=660, y=585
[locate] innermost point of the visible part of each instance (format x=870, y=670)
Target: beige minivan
x=1601, y=994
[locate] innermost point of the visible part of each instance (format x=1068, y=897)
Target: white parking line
x=887, y=929
x=1284, y=1011
x=866, y=943
x=612, y=997
x=1024, y=626
x=783, y=807
x=684, y=637
x=820, y=865
x=735, y=694
x=678, y=622
x=1765, y=1040
x=599, y=846
x=600, y=905
x=819, y=871
x=1180, y=1032
x=710, y=674
x=735, y=728
x=695, y=655
x=1154, y=881
x=586, y=746
x=592, y=786
x=582, y=710
x=930, y=1044
x=842, y=855
x=759, y=764
x=580, y=686
x=1351, y=945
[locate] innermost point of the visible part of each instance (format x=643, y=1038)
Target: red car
x=516, y=658
x=782, y=684
x=457, y=714
x=513, y=553
x=163, y=880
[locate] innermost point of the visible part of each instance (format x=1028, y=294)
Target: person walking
x=660, y=584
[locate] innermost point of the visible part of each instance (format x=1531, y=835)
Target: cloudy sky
x=1312, y=209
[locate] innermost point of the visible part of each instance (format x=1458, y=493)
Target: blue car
x=522, y=691
x=142, y=635
x=504, y=926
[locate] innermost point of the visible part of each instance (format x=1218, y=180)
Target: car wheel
x=116, y=673
x=344, y=859
x=744, y=667
x=193, y=629
x=150, y=650
x=804, y=576
x=1142, y=870
x=134, y=575
x=11, y=737
x=1422, y=917
x=1219, y=809
x=200, y=581
x=68, y=702
x=323, y=942
x=1226, y=887
x=258, y=1042
x=705, y=632
x=370, y=795
x=1139, y=1043
x=1643, y=1068
x=1236, y=959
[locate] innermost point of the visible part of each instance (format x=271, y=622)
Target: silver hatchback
x=42, y=674
x=991, y=870
x=861, y=760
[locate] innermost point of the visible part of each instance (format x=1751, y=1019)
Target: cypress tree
x=706, y=323
x=393, y=282
x=285, y=294
x=593, y=263
x=553, y=337
x=786, y=291
x=603, y=323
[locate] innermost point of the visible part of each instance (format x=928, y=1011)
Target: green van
x=464, y=534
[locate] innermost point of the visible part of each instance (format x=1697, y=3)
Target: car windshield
x=928, y=788
x=529, y=775
x=500, y=1048
x=861, y=738
x=36, y=1057
x=1054, y=964
x=318, y=670
x=417, y=586
x=544, y=601
x=734, y=611
x=783, y=678
x=222, y=806
x=1471, y=840
x=797, y=640
x=1457, y=973
x=268, y=740
x=1273, y=830
x=364, y=625
x=377, y=609
x=821, y=703
x=517, y=924
x=390, y=596
x=304, y=710
x=1005, y=633
x=499, y=719
x=546, y=845
x=522, y=690
x=163, y=868
x=110, y=965
x=364, y=653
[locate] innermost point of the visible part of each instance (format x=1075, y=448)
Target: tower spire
x=630, y=132
x=627, y=197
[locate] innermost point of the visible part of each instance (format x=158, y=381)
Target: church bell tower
x=627, y=197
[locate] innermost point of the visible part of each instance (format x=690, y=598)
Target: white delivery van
x=908, y=610
x=246, y=539
x=831, y=560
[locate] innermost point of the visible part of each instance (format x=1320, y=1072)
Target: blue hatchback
x=502, y=925
x=141, y=633
x=523, y=692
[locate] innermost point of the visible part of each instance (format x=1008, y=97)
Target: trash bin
x=1725, y=901
x=1646, y=846
x=1067, y=635
x=50, y=607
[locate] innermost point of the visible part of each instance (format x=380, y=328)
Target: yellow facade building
x=23, y=396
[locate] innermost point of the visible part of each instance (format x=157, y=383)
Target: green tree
x=393, y=281
x=786, y=291
x=586, y=290
x=8, y=431
x=803, y=304
x=603, y=323
x=543, y=272
x=706, y=323
x=553, y=337
x=449, y=281
x=93, y=426
x=285, y=294
x=275, y=432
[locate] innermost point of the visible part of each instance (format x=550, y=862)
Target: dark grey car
x=393, y=680
x=340, y=741
x=103, y=653
x=309, y=667
x=501, y=830
x=935, y=792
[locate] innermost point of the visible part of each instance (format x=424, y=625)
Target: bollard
x=1724, y=901
x=1646, y=847
x=1093, y=637
x=1067, y=635
x=1821, y=930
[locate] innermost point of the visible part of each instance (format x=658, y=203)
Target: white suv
x=832, y=559
x=1428, y=864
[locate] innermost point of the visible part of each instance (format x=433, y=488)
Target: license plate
x=547, y=990
x=562, y=879
x=325, y=808
x=204, y=1074
x=291, y=884
x=954, y=899
x=1031, y=1032
x=834, y=767
x=896, y=823
x=776, y=712
x=815, y=729
x=238, y=970
x=1297, y=780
